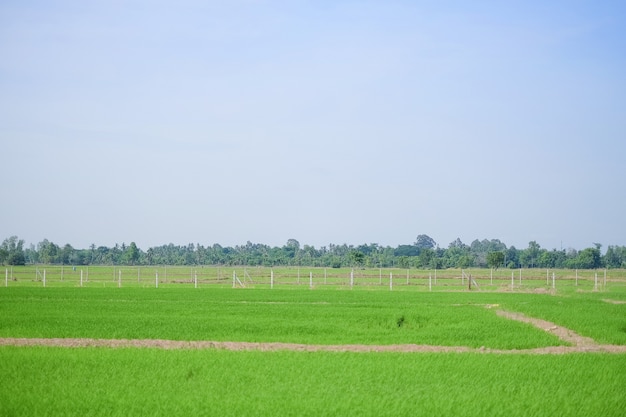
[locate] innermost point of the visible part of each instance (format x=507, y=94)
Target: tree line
x=424, y=253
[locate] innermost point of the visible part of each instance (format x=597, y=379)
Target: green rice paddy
x=149, y=381
x=261, y=315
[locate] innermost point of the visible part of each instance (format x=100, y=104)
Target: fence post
x=156, y=279
x=44, y=277
x=310, y=279
x=119, y=278
x=6, y=277
x=430, y=281
x=81, y=277
x=553, y=281
x=351, y=278
x=390, y=281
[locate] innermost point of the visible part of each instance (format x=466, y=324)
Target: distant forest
x=424, y=253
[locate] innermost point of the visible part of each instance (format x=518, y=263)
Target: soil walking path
x=579, y=343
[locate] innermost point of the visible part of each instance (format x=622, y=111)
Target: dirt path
x=580, y=343
x=562, y=333
x=608, y=300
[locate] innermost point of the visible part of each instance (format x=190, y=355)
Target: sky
x=322, y=121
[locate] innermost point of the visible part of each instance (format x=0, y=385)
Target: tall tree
x=511, y=257
x=615, y=257
x=425, y=242
x=588, y=259
x=66, y=254
x=48, y=252
x=132, y=253
x=495, y=259
x=13, y=251
x=357, y=258
x=426, y=257
x=530, y=255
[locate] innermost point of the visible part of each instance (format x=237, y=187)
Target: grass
x=114, y=382
x=260, y=277
x=314, y=317
x=585, y=313
x=142, y=382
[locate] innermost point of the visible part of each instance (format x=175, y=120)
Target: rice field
x=263, y=277
x=151, y=382
x=339, y=307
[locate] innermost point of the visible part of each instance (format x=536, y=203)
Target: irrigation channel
x=578, y=343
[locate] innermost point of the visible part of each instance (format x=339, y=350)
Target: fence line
x=319, y=277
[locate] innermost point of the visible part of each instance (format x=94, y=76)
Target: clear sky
x=324, y=121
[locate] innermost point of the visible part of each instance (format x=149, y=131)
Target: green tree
x=480, y=249
x=588, y=259
x=425, y=242
x=465, y=261
x=511, y=257
x=530, y=255
x=615, y=257
x=495, y=259
x=292, y=250
x=48, y=252
x=31, y=255
x=426, y=256
x=13, y=251
x=403, y=262
x=66, y=254
x=356, y=257
x=456, y=250
x=132, y=253
x=406, y=250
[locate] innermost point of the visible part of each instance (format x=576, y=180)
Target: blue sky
x=328, y=122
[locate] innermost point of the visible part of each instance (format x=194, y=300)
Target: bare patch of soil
x=237, y=346
x=275, y=346
x=607, y=300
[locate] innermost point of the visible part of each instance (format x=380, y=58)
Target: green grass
x=138, y=382
x=260, y=277
x=296, y=316
x=151, y=382
x=585, y=313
